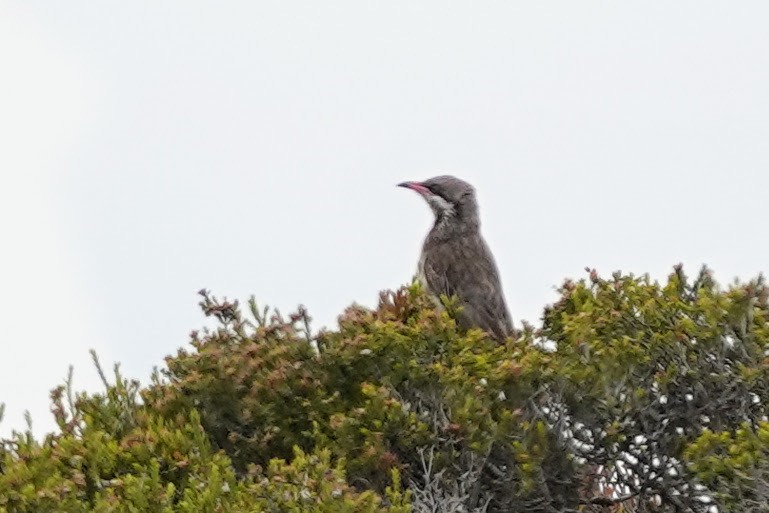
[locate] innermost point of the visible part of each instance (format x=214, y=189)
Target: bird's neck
x=453, y=220
x=449, y=227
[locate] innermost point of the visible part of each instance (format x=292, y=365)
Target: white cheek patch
x=440, y=205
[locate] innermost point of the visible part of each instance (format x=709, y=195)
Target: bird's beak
x=415, y=186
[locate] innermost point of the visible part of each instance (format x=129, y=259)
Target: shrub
x=115, y=455
x=631, y=396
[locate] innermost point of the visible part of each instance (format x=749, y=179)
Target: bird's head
x=451, y=199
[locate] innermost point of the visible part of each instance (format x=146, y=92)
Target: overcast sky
x=148, y=149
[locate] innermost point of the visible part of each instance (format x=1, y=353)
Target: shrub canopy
x=631, y=396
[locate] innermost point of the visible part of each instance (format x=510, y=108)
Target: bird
x=455, y=259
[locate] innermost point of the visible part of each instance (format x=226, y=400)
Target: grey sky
x=150, y=149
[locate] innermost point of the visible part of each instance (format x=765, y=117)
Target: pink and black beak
x=416, y=186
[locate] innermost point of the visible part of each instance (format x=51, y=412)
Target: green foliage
x=633, y=396
x=643, y=370
x=735, y=464
x=114, y=455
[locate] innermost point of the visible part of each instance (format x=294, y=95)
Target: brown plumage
x=455, y=259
